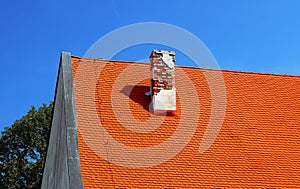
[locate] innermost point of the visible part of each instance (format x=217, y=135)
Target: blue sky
x=245, y=35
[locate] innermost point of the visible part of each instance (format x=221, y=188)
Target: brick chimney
x=162, y=87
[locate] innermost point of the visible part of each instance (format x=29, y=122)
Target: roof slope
x=122, y=145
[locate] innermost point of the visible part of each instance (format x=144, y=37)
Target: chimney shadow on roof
x=137, y=94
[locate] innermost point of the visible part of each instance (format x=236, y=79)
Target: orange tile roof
x=258, y=145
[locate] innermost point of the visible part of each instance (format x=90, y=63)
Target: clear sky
x=245, y=35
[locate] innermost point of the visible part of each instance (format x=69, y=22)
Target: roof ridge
x=193, y=67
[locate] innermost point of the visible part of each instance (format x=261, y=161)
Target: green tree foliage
x=23, y=149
